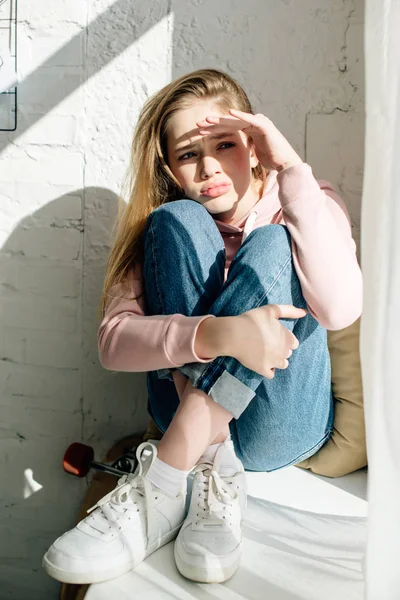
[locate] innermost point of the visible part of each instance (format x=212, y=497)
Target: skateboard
x=119, y=460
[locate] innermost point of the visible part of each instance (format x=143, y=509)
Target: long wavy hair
x=149, y=181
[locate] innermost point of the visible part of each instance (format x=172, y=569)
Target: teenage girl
x=230, y=262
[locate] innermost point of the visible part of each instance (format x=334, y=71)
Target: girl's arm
x=130, y=341
x=324, y=252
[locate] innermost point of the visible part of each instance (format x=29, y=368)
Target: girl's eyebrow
x=217, y=136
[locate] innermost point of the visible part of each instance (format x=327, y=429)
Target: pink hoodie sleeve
x=324, y=252
x=130, y=341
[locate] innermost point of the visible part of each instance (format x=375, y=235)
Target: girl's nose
x=209, y=167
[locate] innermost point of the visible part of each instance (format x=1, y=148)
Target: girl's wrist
x=213, y=338
x=290, y=163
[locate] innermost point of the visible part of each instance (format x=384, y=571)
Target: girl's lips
x=216, y=191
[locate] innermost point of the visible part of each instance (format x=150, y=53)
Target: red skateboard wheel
x=77, y=459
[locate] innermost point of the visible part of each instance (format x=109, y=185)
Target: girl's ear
x=253, y=156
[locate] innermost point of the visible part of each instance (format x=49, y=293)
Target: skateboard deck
x=120, y=455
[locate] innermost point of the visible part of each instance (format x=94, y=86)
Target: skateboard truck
x=78, y=460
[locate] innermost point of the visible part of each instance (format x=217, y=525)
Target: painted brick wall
x=86, y=67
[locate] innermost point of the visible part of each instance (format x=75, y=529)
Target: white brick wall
x=86, y=68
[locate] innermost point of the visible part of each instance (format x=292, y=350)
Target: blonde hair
x=149, y=180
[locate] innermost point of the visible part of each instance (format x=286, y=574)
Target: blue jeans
x=277, y=422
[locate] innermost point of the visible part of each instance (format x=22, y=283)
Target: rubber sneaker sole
x=104, y=575
x=217, y=570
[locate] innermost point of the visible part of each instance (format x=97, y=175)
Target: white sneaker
x=125, y=527
x=208, y=546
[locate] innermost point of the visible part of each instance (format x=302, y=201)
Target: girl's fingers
x=207, y=121
x=246, y=117
x=230, y=122
x=238, y=120
x=283, y=364
x=210, y=121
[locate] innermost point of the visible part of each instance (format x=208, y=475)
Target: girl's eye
x=229, y=144
x=184, y=156
x=187, y=155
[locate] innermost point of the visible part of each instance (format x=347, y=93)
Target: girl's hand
x=272, y=149
x=260, y=341
x=256, y=338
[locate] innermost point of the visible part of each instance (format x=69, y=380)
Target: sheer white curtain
x=380, y=328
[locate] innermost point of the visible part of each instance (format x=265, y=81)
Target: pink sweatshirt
x=324, y=255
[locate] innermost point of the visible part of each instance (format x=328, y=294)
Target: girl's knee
x=187, y=223
x=270, y=236
x=171, y=216
x=180, y=209
x=268, y=252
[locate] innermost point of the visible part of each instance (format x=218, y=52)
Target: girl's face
x=215, y=172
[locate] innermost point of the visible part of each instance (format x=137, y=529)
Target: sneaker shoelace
x=215, y=496
x=133, y=493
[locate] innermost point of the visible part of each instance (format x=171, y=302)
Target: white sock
x=230, y=464
x=166, y=478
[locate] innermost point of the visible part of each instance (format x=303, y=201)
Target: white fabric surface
x=380, y=325
x=304, y=538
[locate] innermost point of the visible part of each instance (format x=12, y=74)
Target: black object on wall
x=8, y=37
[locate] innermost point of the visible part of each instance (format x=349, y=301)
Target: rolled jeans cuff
x=223, y=387
x=165, y=373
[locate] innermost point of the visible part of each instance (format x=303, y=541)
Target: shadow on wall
x=41, y=376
